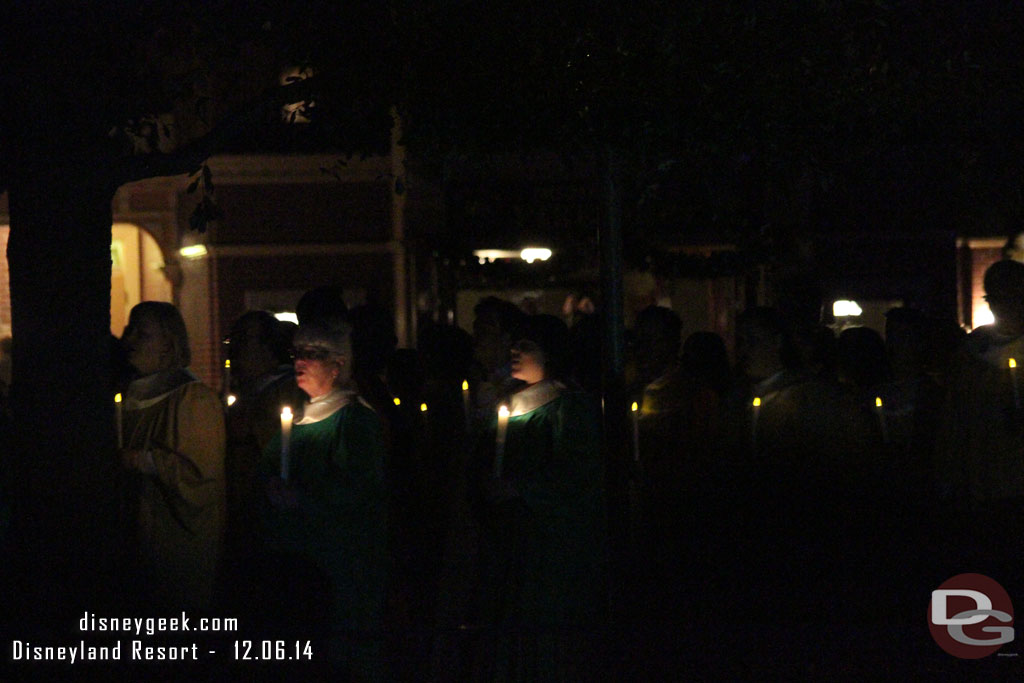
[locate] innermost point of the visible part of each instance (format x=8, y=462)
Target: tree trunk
x=64, y=462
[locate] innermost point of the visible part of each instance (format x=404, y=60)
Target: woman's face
x=149, y=348
x=317, y=370
x=527, y=361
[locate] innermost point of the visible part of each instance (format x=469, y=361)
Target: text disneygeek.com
x=143, y=650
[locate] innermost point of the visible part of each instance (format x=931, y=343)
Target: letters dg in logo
x=970, y=616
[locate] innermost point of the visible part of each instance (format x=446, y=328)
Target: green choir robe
x=340, y=523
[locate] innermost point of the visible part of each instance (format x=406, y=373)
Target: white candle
x=286, y=436
x=635, y=410
x=465, y=402
x=227, y=380
x=1016, y=387
x=499, y=444
x=753, y=424
x=120, y=421
x=881, y=419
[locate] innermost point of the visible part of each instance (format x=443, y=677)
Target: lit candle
x=423, y=409
x=499, y=444
x=881, y=419
x=286, y=437
x=120, y=421
x=635, y=410
x=398, y=401
x=231, y=400
x=1016, y=387
x=465, y=402
x=753, y=423
x=227, y=380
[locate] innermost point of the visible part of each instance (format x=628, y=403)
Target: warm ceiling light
x=531, y=254
x=194, y=251
x=846, y=309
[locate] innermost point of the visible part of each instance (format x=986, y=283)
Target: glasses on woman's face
x=310, y=353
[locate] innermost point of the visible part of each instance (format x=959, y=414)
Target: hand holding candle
x=286, y=435
x=499, y=444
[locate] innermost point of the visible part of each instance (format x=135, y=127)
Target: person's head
x=860, y=358
x=320, y=303
x=257, y=344
x=763, y=343
x=494, y=325
x=323, y=357
x=906, y=340
x=541, y=350
x=1004, y=292
x=373, y=338
x=658, y=336
x=156, y=339
x=705, y=356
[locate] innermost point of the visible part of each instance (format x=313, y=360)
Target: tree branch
x=188, y=158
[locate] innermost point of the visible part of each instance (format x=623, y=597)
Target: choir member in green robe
x=331, y=510
x=544, y=544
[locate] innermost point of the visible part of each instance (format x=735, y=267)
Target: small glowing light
x=465, y=385
x=227, y=364
x=531, y=254
x=635, y=407
x=423, y=407
x=117, y=398
x=193, y=252
x=288, y=317
x=286, y=413
x=1013, y=364
x=878, y=402
x=846, y=309
x=503, y=411
x=398, y=401
x=231, y=400
x=757, y=401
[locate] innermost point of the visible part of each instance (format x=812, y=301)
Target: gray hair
x=330, y=333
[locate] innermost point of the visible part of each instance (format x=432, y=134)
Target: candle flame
x=635, y=407
x=423, y=407
x=757, y=401
x=286, y=412
x=117, y=398
x=465, y=385
x=503, y=411
x=231, y=399
x=1013, y=363
x=227, y=364
x=878, y=402
x=398, y=401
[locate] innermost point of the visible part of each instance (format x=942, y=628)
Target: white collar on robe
x=322, y=407
x=151, y=389
x=534, y=396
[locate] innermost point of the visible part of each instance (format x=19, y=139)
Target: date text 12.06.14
x=274, y=650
